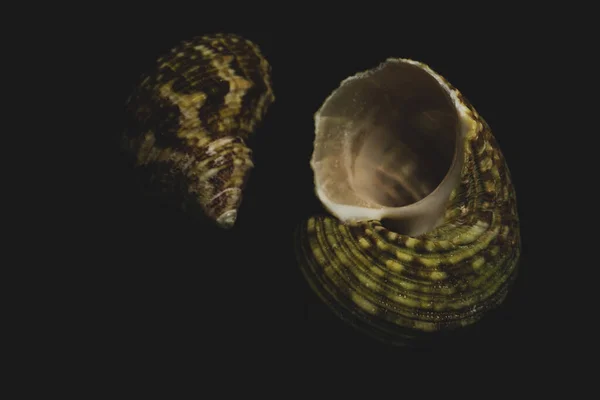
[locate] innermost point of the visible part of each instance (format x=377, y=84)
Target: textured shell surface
x=424, y=232
x=189, y=118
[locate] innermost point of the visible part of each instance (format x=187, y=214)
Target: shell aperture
x=188, y=120
x=424, y=231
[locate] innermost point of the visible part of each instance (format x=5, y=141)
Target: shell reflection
x=188, y=120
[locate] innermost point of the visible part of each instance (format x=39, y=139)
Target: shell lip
x=427, y=213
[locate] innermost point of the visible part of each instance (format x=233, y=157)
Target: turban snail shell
x=189, y=118
x=424, y=232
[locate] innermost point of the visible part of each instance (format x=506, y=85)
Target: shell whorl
x=397, y=285
x=188, y=120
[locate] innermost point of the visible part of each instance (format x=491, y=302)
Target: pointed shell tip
x=227, y=219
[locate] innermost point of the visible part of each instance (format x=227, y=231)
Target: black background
x=165, y=288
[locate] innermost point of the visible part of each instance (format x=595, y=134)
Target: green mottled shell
x=395, y=286
x=189, y=117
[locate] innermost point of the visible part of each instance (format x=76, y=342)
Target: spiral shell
x=188, y=120
x=424, y=236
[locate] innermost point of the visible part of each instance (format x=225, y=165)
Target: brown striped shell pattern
x=423, y=235
x=188, y=120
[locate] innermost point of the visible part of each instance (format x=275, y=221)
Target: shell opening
x=386, y=147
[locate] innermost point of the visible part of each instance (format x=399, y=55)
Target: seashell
x=189, y=118
x=424, y=233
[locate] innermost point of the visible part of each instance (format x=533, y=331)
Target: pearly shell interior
x=389, y=146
